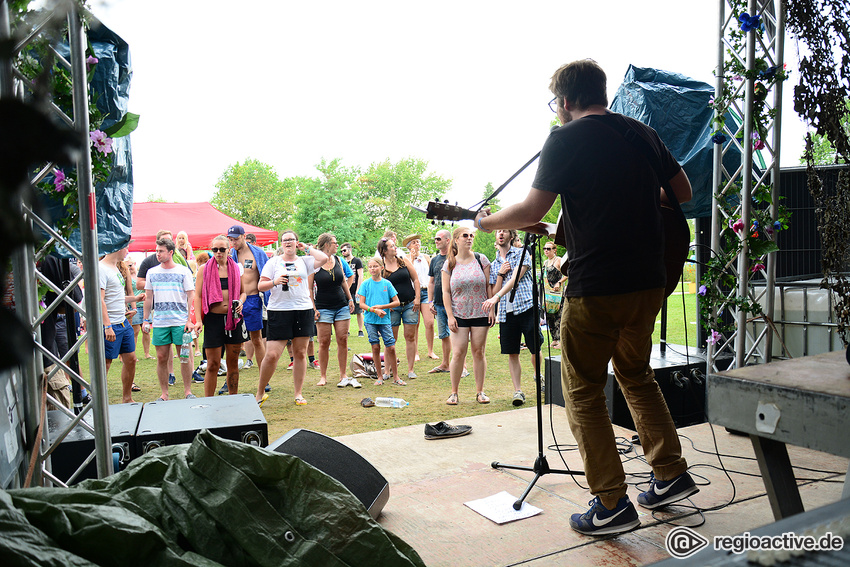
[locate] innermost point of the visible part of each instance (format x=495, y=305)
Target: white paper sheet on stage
x=500, y=508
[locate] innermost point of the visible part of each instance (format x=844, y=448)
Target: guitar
x=677, y=235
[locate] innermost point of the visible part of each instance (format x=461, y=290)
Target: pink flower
x=59, y=180
x=714, y=337
x=757, y=267
x=91, y=61
x=101, y=141
x=737, y=226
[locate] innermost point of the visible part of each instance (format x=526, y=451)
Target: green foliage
x=252, y=193
x=485, y=241
x=388, y=189
x=823, y=152
x=330, y=203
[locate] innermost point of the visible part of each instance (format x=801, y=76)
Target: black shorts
x=515, y=326
x=474, y=322
x=285, y=325
x=215, y=336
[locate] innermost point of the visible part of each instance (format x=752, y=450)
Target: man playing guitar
x=611, y=197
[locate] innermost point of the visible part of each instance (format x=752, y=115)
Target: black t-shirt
x=355, y=264
x=329, y=287
x=435, y=269
x=610, y=198
x=402, y=283
x=149, y=262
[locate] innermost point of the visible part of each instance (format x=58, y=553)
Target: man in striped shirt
x=169, y=291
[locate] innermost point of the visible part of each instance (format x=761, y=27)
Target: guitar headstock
x=446, y=212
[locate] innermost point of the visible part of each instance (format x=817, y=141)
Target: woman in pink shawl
x=218, y=307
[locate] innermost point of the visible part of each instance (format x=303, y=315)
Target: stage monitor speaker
x=76, y=447
x=344, y=464
x=236, y=417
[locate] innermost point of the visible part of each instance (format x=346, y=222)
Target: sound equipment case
x=236, y=417
x=685, y=398
x=79, y=443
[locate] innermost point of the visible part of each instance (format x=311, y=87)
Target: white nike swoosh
x=662, y=491
x=599, y=523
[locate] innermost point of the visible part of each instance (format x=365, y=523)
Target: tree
x=485, y=241
x=251, y=192
x=389, y=189
x=331, y=203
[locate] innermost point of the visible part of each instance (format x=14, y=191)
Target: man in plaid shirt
x=516, y=320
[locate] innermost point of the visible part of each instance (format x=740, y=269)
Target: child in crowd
x=377, y=296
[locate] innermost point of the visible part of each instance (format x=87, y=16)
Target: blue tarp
x=111, y=83
x=678, y=108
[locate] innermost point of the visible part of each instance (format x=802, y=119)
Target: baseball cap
x=235, y=231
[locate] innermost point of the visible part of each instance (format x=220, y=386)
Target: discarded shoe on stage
x=443, y=430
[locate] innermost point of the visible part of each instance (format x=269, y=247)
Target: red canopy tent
x=201, y=221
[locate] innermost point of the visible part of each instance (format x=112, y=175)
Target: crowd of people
x=301, y=299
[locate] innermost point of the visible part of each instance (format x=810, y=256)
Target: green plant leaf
x=124, y=126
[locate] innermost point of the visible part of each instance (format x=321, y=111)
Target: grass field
x=337, y=411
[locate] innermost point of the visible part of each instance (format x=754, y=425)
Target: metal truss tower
x=748, y=343
x=14, y=83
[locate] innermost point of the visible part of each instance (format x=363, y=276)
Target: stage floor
x=430, y=481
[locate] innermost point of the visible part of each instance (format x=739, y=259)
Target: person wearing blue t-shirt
x=377, y=296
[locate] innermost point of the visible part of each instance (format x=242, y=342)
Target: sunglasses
x=437, y=238
x=548, y=248
x=217, y=250
x=466, y=235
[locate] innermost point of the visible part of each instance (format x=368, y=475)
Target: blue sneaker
x=197, y=378
x=662, y=493
x=268, y=388
x=171, y=379
x=223, y=390
x=599, y=520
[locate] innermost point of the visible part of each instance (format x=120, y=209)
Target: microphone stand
x=541, y=465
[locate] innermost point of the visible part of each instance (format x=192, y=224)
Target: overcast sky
x=460, y=84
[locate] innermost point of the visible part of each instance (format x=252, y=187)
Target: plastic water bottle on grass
x=391, y=403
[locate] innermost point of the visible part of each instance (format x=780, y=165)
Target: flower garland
x=719, y=285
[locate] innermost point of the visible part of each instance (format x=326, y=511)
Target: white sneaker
x=344, y=382
x=354, y=383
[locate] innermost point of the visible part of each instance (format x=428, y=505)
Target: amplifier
x=79, y=443
x=681, y=378
x=236, y=417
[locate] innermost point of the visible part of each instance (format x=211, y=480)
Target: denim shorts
x=331, y=315
x=404, y=313
x=423, y=295
x=442, y=322
x=378, y=332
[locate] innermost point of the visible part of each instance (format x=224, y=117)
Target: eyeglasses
x=548, y=248
x=288, y=240
x=217, y=250
x=467, y=235
x=553, y=105
x=437, y=238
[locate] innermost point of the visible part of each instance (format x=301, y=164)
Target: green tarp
x=214, y=502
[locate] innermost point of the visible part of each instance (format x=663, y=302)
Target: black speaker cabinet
x=79, y=443
x=236, y=417
x=335, y=459
x=684, y=394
